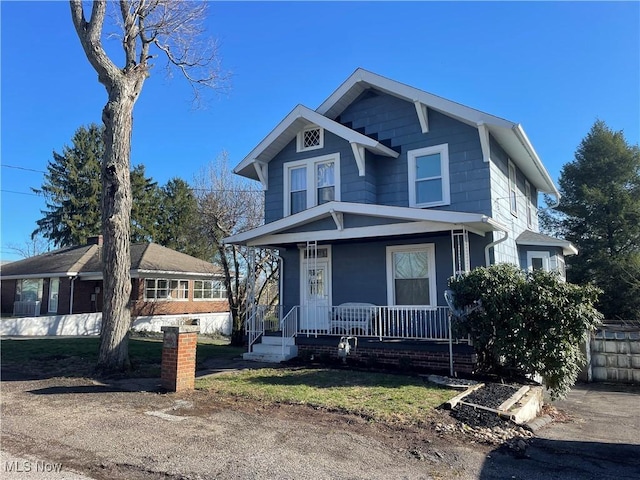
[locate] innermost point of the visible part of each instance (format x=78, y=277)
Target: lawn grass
x=77, y=357
x=380, y=397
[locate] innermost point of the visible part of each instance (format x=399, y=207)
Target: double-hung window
x=311, y=182
x=429, y=176
x=411, y=275
x=513, y=191
x=529, y=203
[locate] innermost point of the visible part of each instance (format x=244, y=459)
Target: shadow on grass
x=52, y=357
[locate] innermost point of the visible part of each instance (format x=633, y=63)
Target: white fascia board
x=300, y=111
x=524, y=140
x=39, y=275
x=141, y=273
x=407, y=228
x=568, y=248
x=372, y=210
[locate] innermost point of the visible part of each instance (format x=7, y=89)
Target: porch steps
x=271, y=350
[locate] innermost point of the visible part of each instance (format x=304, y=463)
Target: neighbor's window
x=429, y=176
x=310, y=138
x=513, y=192
x=165, y=289
x=209, y=290
x=411, y=278
x=29, y=290
x=311, y=182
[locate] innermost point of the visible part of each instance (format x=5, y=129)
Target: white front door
x=315, y=294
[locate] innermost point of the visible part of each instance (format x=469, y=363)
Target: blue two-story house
x=375, y=199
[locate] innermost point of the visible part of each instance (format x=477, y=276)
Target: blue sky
x=553, y=67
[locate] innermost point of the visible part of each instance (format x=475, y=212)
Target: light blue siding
x=359, y=268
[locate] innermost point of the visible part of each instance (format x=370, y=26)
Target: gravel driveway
x=106, y=433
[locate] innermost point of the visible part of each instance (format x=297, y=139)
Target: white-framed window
x=411, y=275
x=529, y=203
x=165, y=289
x=311, y=138
x=209, y=290
x=513, y=190
x=311, y=182
x=429, y=176
x=29, y=290
x=538, y=261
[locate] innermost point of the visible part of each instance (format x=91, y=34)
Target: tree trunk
x=117, y=116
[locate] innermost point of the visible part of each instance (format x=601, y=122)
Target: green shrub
x=528, y=323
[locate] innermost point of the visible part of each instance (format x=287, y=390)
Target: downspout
x=73, y=281
x=496, y=242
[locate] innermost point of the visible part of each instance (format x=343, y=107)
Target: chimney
x=95, y=240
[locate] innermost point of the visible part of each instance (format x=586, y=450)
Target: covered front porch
x=377, y=273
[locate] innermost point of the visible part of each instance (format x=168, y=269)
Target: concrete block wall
x=615, y=355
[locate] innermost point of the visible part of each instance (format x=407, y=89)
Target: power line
x=23, y=168
x=19, y=193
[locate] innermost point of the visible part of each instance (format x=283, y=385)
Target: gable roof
x=539, y=239
x=86, y=262
x=288, y=128
x=411, y=220
x=509, y=135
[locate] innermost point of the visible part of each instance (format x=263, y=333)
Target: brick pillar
x=179, y=357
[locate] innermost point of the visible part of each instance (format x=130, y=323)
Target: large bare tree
x=174, y=29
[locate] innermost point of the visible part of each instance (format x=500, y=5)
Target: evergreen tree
x=178, y=226
x=72, y=188
x=600, y=214
x=146, y=207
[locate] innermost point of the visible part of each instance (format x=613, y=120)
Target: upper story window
x=513, y=192
x=310, y=138
x=529, y=203
x=164, y=289
x=209, y=290
x=311, y=182
x=429, y=176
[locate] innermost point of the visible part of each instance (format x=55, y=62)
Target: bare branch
x=90, y=34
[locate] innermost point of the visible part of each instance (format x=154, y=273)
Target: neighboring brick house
x=69, y=281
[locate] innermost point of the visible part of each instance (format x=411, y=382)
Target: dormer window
x=311, y=138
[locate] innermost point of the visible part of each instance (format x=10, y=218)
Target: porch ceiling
x=407, y=221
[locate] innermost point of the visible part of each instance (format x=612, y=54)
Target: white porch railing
x=399, y=322
x=28, y=308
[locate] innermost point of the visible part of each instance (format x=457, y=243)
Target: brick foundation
x=418, y=359
x=179, y=358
